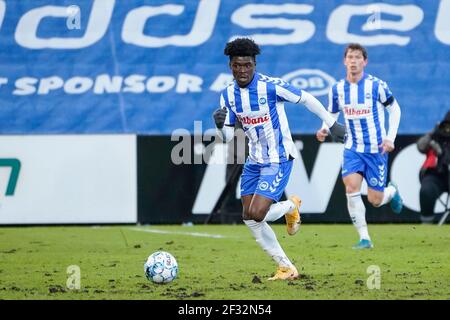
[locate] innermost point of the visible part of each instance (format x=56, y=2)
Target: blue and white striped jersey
x=362, y=104
x=260, y=109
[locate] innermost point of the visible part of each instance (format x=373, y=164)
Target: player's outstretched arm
x=394, y=120
x=324, y=131
x=336, y=129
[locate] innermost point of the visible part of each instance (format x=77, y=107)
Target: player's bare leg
x=246, y=201
x=353, y=182
x=258, y=208
x=375, y=197
x=390, y=194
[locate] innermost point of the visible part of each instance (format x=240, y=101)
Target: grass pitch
x=224, y=262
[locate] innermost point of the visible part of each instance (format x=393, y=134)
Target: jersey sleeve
x=287, y=92
x=230, y=120
x=333, y=100
x=384, y=93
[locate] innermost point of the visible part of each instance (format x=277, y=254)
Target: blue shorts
x=372, y=166
x=268, y=180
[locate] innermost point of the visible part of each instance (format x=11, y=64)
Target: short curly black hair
x=242, y=47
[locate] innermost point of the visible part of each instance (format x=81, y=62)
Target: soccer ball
x=161, y=267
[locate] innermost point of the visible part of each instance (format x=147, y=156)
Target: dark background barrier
x=167, y=192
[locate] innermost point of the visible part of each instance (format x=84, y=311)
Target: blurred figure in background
x=434, y=173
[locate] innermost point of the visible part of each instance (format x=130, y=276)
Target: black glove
x=219, y=117
x=337, y=131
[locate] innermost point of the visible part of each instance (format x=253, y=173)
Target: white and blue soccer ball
x=161, y=267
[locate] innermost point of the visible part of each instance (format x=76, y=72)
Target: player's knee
x=248, y=214
x=245, y=214
x=351, y=188
x=374, y=200
x=257, y=214
x=258, y=218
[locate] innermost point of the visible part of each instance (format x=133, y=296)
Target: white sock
x=267, y=239
x=389, y=193
x=279, y=209
x=357, y=212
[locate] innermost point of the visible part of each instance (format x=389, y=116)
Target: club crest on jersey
x=264, y=185
x=373, y=182
x=262, y=101
x=368, y=95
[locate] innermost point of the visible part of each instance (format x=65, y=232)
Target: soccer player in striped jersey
x=364, y=98
x=258, y=102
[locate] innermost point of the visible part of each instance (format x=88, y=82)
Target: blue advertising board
x=150, y=67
